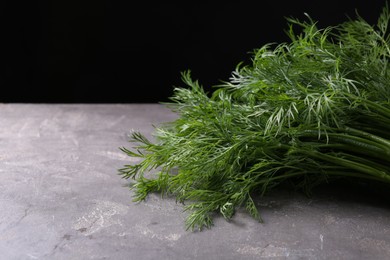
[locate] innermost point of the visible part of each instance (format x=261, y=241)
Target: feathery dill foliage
x=306, y=111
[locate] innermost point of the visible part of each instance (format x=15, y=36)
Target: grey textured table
x=61, y=198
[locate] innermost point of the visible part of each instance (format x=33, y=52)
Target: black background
x=133, y=52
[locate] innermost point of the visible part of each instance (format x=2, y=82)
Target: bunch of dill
x=307, y=111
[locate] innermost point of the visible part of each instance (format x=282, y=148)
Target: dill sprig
x=307, y=111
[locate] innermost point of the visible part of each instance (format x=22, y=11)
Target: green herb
x=308, y=111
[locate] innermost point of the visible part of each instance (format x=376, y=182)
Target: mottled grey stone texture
x=61, y=198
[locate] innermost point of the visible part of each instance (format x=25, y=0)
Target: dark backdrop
x=133, y=52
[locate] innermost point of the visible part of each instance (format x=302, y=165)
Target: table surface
x=61, y=198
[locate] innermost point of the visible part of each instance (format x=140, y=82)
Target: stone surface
x=61, y=198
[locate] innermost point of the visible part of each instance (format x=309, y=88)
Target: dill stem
x=362, y=168
x=378, y=108
x=369, y=136
x=365, y=143
x=357, y=175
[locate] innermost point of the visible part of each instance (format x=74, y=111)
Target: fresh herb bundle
x=307, y=111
